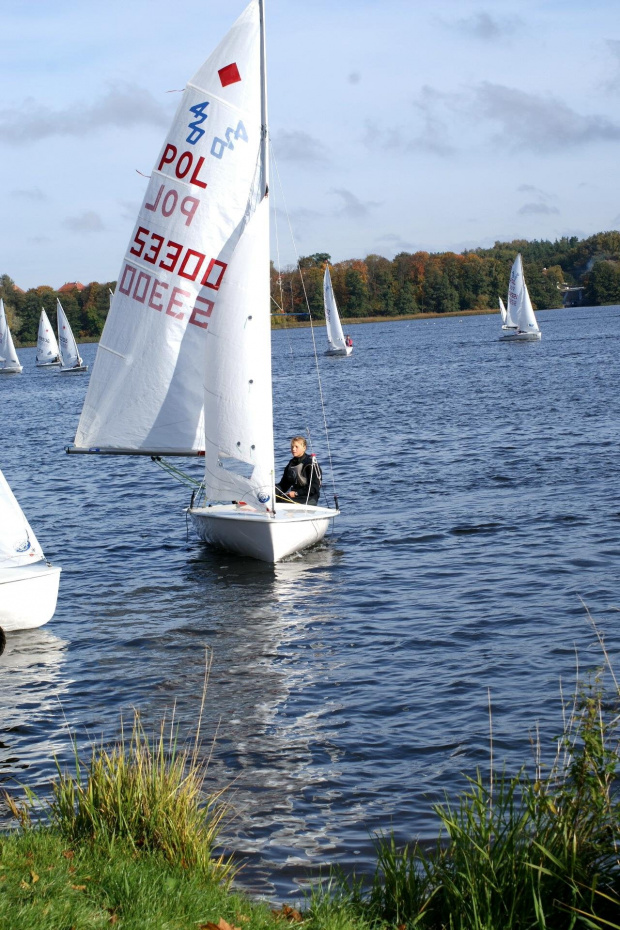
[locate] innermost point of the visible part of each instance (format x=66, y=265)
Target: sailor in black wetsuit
x=301, y=481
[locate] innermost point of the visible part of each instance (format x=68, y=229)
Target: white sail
x=146, y=390
x=335, y=336
x=515, y=288
x=18, y=544
x=47, y=347
x=8, y=356
x=502, y=310
x=526, y=321
x=69, y=355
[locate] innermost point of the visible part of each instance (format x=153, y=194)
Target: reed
x=521, y=852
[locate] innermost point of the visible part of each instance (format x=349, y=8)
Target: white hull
x=28, y=596
x=521, y=337
x=259, y=535
x=16, y=370
x=64, y=371
x=506, y=326
x=346, y=351
x=47, y=364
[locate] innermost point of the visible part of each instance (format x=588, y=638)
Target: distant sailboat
x=47, y=347
x=9, y=362
x=184, y=362
x=335, y=337
x=70, y=359
x=520, y=313
x=28, y=583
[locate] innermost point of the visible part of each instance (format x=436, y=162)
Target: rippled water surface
x=478, y=483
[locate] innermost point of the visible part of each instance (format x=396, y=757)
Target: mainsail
x=47, y=347
x=8, y=355
x=181, y=301
x=335, y=336
x=69, y=355
x=18, y=544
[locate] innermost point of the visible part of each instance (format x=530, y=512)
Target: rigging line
x=316, y=358
x=176, y=472
x=277, y=237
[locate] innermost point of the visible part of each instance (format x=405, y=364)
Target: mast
x=263, y=95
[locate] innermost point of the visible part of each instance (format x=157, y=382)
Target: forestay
x=179, y=282
x=18, y=544
x=335, y=334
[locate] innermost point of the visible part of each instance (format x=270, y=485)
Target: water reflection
x=32, y=685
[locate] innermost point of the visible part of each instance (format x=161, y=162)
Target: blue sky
x=396, y=126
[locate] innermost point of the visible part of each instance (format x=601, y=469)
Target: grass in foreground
x=129, y=838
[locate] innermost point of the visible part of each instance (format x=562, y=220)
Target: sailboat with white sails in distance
x=337, y=343
x=47, y=347
x=520, y=324
x=184, y=362
x=70, y=358
x=9, y=361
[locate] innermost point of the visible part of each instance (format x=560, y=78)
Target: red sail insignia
x=229, y=75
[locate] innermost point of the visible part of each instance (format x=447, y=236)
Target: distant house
x=71, y=286
x=18, y=290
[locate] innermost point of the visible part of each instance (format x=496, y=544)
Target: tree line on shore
x=411, y=283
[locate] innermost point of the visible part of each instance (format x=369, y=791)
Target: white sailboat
x=520, y=313
x=184, y=362
x=9, y=362
x=28, y=583
x=337, y=344
x=47, y=347
x=70, y=359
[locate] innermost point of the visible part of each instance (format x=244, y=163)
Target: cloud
x=352, y=207
x=87, y=222
x=537, y=208
x=530, y=121
x=393, y=244
x=485, y=27
x=124, y=106
x=614, y=47
x=130, y=209
x=300, y=147
x=34, y=193
x=432, y=136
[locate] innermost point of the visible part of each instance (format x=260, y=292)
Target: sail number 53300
x=149, y=246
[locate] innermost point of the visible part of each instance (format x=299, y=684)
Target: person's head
x=298, y=446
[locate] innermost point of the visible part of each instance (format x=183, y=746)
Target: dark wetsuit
x=302, y=475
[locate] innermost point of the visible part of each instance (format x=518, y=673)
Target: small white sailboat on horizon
x=184, y=362
x=48, y=353
x=337, y=343
x=70, y=359
x=9, y=361
x=520, y=318
x=28, y=583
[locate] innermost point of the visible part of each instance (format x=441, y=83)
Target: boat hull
x=263, y=536
x=28, y=596
x=47, y=364
x=521, y=337
x=346, y=351
x=76, y=368
x=17, y=370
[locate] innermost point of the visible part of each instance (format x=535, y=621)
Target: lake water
x=478, y=483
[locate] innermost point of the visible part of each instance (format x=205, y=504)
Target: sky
x=396, y=125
